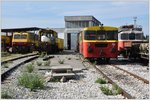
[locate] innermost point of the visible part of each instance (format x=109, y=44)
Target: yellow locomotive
x=24, y=42
x=6, y=42
x=46, y=40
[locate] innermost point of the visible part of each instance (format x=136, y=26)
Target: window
x=112, y=35
x=101, y=35
x=124, y=36
x=17, y=36
x=90, y=35
x=132, y=36
x=23, y=36
x=139, y=36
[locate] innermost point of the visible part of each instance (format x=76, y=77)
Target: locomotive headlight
x=113, y=48
x=113, y=44
x=89, y=44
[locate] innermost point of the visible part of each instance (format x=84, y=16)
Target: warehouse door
x=73, y=41
x=69, y=41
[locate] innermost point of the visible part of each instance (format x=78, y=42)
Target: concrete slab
x=62, y=68
x=66, y=75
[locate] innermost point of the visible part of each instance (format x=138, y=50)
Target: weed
x=6, y=65
x=47, y=63
x=61, y=61
x=116, y=89
x=95, y=62
x=43, y=54
x=5, y=95
x=39, y=63
x=106, y=90
x=30, y=68
x=31, y=81
x=100, y=81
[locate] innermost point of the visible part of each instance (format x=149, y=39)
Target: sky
x=51, y=14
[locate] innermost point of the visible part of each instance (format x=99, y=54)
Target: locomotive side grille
x=101, y=45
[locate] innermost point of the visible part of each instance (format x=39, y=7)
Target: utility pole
x=135, y=18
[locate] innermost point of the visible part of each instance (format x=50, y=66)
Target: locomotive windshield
x=90, y=35
x=100, y=35
x=18, y=36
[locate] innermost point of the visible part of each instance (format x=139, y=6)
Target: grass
x=101, y=81
x=95, y=62
x=5, y=95
x=6, y=65
x=43, y=54
x=106, y=90
x=47, y=63
x=4, y=54
x=61, y=61
x=39, y=63
x=116, y=89
x=29, y=68
x=31, y=81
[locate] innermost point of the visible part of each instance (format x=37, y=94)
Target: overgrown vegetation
x=116, y=89
x=101, y=81
x=39, y=63
x=4, y=54
x=106, y=90
x=5, y=95
x=61, y=61
x=6, y=65
x=31, y=81
x=47, y=63
x=43, y=54
x=29, y=68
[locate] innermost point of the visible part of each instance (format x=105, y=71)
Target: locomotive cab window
x=112, y=35
x=17, y=36
x=124, y=36
x=101, y=35
x=138, y=36
x=23, y=36
x=90, y=35
x=132, y=36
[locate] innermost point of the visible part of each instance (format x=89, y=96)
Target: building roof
x=21, y=29
x=80, y=18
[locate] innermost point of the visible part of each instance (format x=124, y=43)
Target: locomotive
x=98, y=42
x=23, y=42
x=46, y=40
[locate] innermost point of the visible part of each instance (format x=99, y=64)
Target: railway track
x=112, y=74
x=15, y=58
x=16, y=63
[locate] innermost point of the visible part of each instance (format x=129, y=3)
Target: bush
x=39, y=63
x=47, y=63
x=31, y=81
x=30, y=68
x=106, y=90
x=61, y=61
x=101, y=81
x=5, y=95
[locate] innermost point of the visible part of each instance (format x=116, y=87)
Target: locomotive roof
x=99, y=28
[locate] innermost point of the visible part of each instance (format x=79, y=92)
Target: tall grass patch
x=32, y=81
